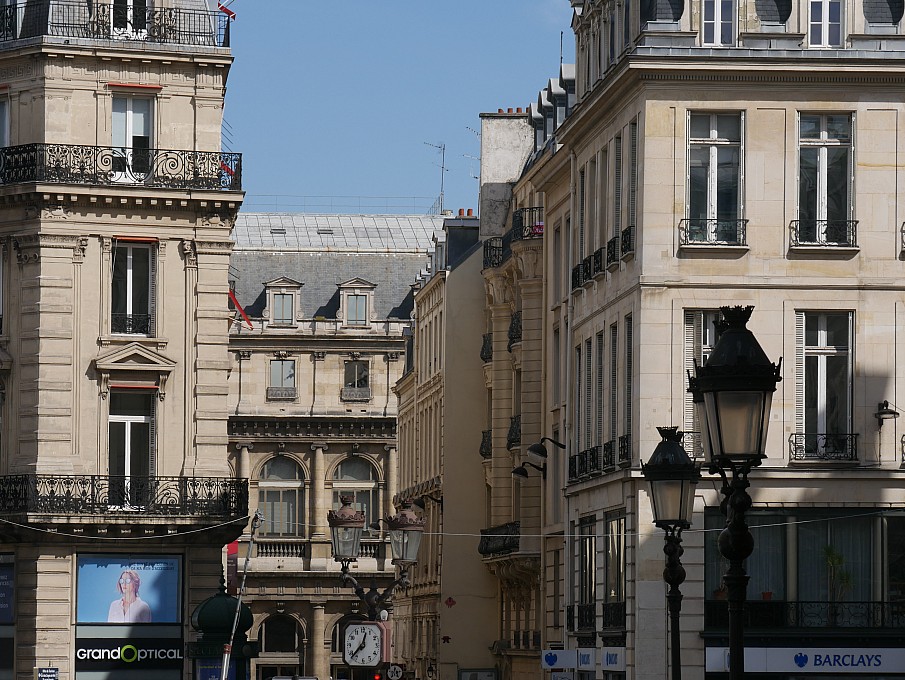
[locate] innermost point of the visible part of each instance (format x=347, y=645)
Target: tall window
x=130, y=16
x=625, y=449
x=825, y=178
x=132, y=299
x=356, y=310
x=617, y=186
x=131, y=445
x=356, y=477
x=714, y=177
x=823, y=383
x=579, y=400
x=826, y=23
x=700, y=338
x=281, y=497
x=283, y=309
x=601, y=360
x=4, y=121
x=356, y=385
x=614, y=571
x=582, y=199
x=131, y=137
x=717, y=22
x=587, y=561
x=282, y=379
x=614, y=368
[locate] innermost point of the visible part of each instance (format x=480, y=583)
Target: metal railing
x=514, y=436
x=627, y=240
x=515, y=330
x=823, y=446
x=585, y=463
x=355, y=394
x=102, y=21
x=614, y=614
x=587, y=268
x=131, y=324
x=598, y=262
x=500, y=539
x=612, y=252
x=115, y=166
x=527, y=223
x=282, y=394
x=103, y=495
x=807, y=614
x=570, y=617
x=497, y=249
x=486, y=444
x=829, y=233
x=704, y=232
x=577, y=276
x=487, y=347
x=609, y=455
x=693, y=443
x=625, y=449
x=587, y=616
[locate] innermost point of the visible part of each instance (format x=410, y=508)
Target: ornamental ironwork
x=116, y=166
x=614, y=614
x=775, y=613
x=587, y=616
x=527, y=223
x=609, y=455
x=487, y=347
x=704, y=232
x=515, y=330
x=612, y=252
x=823, y=446
x=598, y=261
x=587, y=272
x=486, y=444
x=100, y=21
x=514, y=436
x=105, y=495
x=577, y=273
x=829, y=233
x=133, y=324
x=500, y=539
x=625, y=449
x=627, y=240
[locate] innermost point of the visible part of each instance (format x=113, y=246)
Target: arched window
x=281, y=497
x=280, y=634
x=356, y=477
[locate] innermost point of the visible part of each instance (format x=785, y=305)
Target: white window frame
x=131, y=30
x=717, y=23
x=700, y=339
x=278, y=314
x=823, y=145
x=713, y=143
x=824, y=25
x=128, y=493
x=360, y=316
x=129, y=167
x=132, y=282
x=297, y=486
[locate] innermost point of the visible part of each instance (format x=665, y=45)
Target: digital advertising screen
x=128, y=589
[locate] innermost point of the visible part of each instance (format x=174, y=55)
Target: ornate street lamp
x=672, y=477
x=736, y=385
x=405, y=529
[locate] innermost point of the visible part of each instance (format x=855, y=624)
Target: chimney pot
x=518, y=110
x=470, y=212
x=500, y=111
x=461, y=212
x=510, y=110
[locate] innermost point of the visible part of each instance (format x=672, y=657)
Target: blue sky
x=342, y=99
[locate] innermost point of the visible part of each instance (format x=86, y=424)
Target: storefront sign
x=558, y=658
x=612, y=659
x=586, y=659
x=110, y=654
x=129, y=589
x=6, y=593
x=833, y=660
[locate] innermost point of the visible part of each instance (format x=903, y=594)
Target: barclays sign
x=816, y=660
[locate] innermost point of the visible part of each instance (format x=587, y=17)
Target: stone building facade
x=313, y=414
x=117, y=208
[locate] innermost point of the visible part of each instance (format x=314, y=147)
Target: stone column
x=320, y=662
x=243, y=461
x=319, y=503
x=392, y=477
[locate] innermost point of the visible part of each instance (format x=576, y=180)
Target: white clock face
x=363, y=644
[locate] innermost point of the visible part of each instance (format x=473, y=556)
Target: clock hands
x=364, y=640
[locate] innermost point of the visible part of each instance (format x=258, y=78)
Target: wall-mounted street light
x=405, y=529
x=885, y=411
x=421, y=502
x=538, y=448
x=521, y=472
x=736, y=386
x=672, y=477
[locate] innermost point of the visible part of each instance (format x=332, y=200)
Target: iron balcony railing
x=486, y=444
x=497, y=249
x=609, y=455
x=841, y=446
x=625, y=449
x=587, y=616
x=515, y=330
x=282, y=393
x=585, y=463
x=704, y=232
x=587, y=268
x=570, y=617
x=103, y=20
x=528, y=223
x=487, y=347
x=598, y=262
x=614, y=614
x=131, y=324
x=105, y=495
x=500, y=539
x=693, y=443
x=627, y=240
x=115, y=166
x=577, y=276
x=829, y=233
x=355, y=394
x=803, y=614
x=514, y=436
x=612, y=252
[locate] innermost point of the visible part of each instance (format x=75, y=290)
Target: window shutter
x=741, y=165
x=633, y=176
x=617, y=186
x=614, y=366
x=152, y=293
x=693, y=322
x=799, y=372
x=629, y=375
x=581, y=208
x=600, y=359
x=152, y=443
x=588, y=380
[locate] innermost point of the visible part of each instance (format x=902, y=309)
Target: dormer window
x=284, y=302
x=356, y=303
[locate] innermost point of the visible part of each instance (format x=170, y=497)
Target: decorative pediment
x=283, y=282
x=134, y=364
x=357, y=283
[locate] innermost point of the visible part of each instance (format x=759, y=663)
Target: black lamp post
x=736, y=387
x=346, y=527
x=672, y=476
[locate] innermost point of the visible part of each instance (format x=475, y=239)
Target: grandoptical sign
x=107, y=654
x=828, y=660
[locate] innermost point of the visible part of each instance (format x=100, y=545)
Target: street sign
x=394, y=672
x=47, y=673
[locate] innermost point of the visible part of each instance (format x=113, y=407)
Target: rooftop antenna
x=560, y=48
x=442, y=147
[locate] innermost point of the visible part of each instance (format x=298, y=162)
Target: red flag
x=225, y=168
x=232, y=296
x=226, y=10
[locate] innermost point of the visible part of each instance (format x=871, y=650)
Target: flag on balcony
x=225, y=168
x=232, y=297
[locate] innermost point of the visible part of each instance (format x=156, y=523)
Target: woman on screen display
x=129, y=608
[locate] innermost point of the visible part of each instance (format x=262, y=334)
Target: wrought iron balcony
x=587, y=616
x=514, y=436
x=614, y=614
x=612, y=252
x=102, y=21
x=282, y=394
x=515, y=329
x=609, y=455
x=828, y=233
x=577, y=276
x=627, y=240
x=585, y=463
x=487, y=347
x=625, y=449
x=587, y=268
x=841, y=446
x=500, y=539
x=487, y=444
x=693, y=443
x=131, y=324
x=105, y=495
x=493, y=252
x=570, y=617
x=527, y=223
x=355, y=394
x=704, y=232
x=115, y=166
x=780, y=614
x=598, y=261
